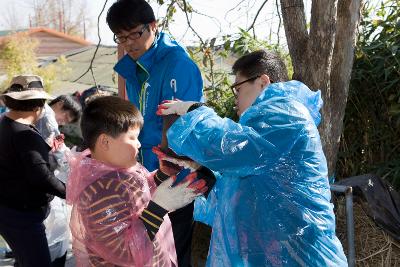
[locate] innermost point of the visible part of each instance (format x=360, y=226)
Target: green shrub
x=371, y=137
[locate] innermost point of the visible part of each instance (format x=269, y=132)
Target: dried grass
x=373, y=246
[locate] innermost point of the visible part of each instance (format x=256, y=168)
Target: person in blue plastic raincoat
x=155, y=68
x=271, y=203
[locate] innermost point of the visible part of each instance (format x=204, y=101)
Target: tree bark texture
x=322, y=58
x=342, y=63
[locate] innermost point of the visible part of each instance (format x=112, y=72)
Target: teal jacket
x=164, y=72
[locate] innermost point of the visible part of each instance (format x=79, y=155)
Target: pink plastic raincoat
x=105, y=222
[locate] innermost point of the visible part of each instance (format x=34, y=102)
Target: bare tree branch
x=165, y=21
x=256, y=16
x=11, y=18
x=233, y=8
x=97, y=48
x=280, y=20
x=188, y=21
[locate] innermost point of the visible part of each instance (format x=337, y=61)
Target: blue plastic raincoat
x=271, y=204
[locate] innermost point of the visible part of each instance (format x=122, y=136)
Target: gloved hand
x=178, y=107
x=187, y=164
x=165, y=166
x=172, y=198
x=199, y=185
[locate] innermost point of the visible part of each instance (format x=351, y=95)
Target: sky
x=217, y=19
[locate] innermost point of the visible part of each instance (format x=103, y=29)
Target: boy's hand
x=199, y=185
x=178, y=107
x=172, y=198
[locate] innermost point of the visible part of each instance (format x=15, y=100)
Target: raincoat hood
x=296, y=91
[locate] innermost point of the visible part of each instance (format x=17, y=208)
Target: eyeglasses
x=235, y=85
x=131, y=36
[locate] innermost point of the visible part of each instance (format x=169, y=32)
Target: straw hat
x=26, y=87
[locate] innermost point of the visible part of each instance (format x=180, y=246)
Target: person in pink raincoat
x=119, y=215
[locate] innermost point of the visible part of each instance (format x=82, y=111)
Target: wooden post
x=121, y=81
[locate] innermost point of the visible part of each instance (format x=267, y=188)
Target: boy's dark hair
x=23, y=105
x=70, y=105
x=261, y=62
x=90, y=93
x=109, y=115
x=128, y=14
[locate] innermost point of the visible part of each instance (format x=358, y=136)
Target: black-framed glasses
x=233, y=86
x=131, y=36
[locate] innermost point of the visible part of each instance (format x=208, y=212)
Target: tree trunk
x=322, y=58
x=342, y=63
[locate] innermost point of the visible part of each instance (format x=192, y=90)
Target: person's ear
x=38, y=109
x=153, y=26
x=265, y=81
x=103, y=142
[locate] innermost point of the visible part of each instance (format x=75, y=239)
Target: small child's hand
x=174, y=197
x=58, y=141
x=199, y=185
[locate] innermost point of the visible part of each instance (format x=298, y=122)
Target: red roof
x=52, y=42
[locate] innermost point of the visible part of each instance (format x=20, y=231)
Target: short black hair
x=109, y=115
x=23, y=105
x=70, y=105
x=261, y=62
x=128, y=14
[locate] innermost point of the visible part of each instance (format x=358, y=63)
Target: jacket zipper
x=142, y=100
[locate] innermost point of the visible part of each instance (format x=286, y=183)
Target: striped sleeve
x=152, y=217
x=160, y=177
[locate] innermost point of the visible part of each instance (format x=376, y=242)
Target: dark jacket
x=26, y=181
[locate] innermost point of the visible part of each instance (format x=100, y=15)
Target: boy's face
x=63, y=117
x=123, y=150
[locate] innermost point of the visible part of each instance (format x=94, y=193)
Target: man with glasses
x=271, y=204
x=156, y=68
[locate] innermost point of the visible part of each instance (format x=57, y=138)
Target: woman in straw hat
x=27, y=184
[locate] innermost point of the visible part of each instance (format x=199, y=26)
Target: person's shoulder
x=169, y=49
x=26, y=132
x=104, y=189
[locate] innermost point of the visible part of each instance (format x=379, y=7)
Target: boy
x=118, y=215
